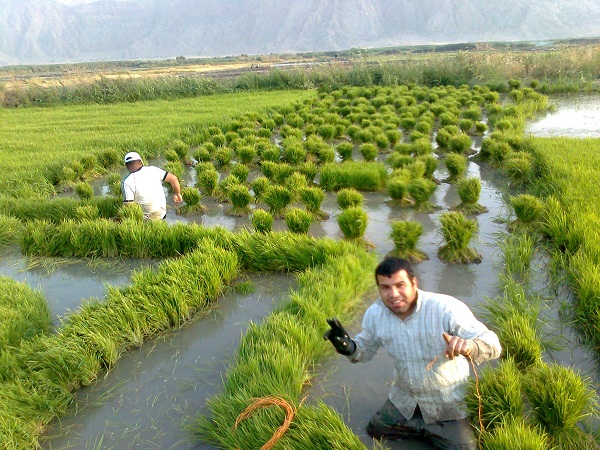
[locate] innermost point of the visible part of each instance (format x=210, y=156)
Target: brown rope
x=290, y=412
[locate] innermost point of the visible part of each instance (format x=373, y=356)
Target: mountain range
x=53, y=31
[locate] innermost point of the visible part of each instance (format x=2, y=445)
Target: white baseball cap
x=132, y=156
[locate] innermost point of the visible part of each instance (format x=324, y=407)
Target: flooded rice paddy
x=144, y=401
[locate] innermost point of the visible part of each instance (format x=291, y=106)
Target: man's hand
x=339, y=338
x=177, y=198
x=455, y=346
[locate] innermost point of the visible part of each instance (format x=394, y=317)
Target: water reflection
x=575, y=116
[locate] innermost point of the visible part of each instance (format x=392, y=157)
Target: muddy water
x=576, y=116
x=144, y=401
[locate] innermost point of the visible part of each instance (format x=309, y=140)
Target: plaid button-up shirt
x=414, y=342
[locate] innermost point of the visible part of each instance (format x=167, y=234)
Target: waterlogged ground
x=143, y=402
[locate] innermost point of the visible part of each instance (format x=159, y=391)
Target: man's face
x=398, y=292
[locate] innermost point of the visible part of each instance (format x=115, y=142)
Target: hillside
x=46, y=31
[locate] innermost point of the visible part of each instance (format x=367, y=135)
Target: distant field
x=31, y=138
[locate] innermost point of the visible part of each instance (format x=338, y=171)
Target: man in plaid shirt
x=415, y=327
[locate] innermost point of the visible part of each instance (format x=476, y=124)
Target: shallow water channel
x=144, y=401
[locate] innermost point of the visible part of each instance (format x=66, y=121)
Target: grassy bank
x=34, y=142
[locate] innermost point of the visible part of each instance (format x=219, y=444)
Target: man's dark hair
x=390, y=265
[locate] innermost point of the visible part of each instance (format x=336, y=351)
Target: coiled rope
x=264, y=402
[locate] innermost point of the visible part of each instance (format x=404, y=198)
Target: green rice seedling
x=444, y=134
x=84, y=190
x=397, y=188
x=424, y=127
x=180, y=148
x=259, y=187
x=224, y=185
x=405, y=235
x=130, y=211
x=408, y=122
x=240, y=199
x=381, y=140
x=363, y=176
x=418, y=136
x=515, y=434
x=368, y=151
x=457, y=166
x=431, y=163
x=223, y=156
x=240, y=171
x=277, y=199
x=293, y=151
x=218, y=140
x=109, y=158
x=344, y=150
x=421, y=189
x=560, y=399
x=520, y=339
x=422, y=147
x=89, y=163
x=262, y=221
x=208, y=181
x=518, y=251
x=465, y=125
x=519, y=167
x=528, y=209
x=246, y=154
x=393, y=136
x=313, y=197
x=468, y=190
x=460, y=143
x=115, y=185
x=398, y=160
x=499, y=395
x=448, y=118
x=457, y=232
x=176, y=168
x=87, y=212
x=171, y=155
x=25, y=313
x=294, y=183
x=11, y=229
x=309, y=169
x=201, y=154
x=480, y=128
x=349, y=198
x=403, y=148
x=353, y=222
x=298, y=220
x=191, y=197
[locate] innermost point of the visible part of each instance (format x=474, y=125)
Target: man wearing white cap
x=143, y=185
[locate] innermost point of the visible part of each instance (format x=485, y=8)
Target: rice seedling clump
x=457, y=232
x=298, y=220
x=405, y=235
x=262, y=221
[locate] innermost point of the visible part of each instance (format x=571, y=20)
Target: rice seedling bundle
x=456, y=165
x=459, y=143
x=465, y=125
x=344, y=150
x=313, y=197
x=468, y=190
x=10, y=230
x=246, y=154
x=115, y=185
x=421, y=189
x=171, y=155
x=424, y=127
x=515, y=434
x=421, y=147
x=520, y=339
x=393, y=136
x=415, y=136
x=363, y=176
x=277, y=199
x=310, y=170
x=348, y=198
x=294, y=183
x=84, y=190
x=208, y=181
x=480, y=128
x=262, y=221
x=560, y=399
x=397, y=188
x=457, y=232
x=25, y=313
x=277, y=172
x=353, y=222
x=405, y=235
x=501, y=394
x=444, y=134
x=224, y=185
x=403, y=148
x=87, y=212
x=109, y=158
x=368, y=151
x=240, y=171
x=191, y=197
x=528, y=208
x=240, y=198
x=130, y=211
x=298, y=220
x=223, y=156
x=518, y=251
x=202, y=155
x=519, y=167
x=398, y=160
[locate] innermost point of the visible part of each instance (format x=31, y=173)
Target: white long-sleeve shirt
x=414, y=342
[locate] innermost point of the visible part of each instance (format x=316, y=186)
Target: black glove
x=339, y=338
